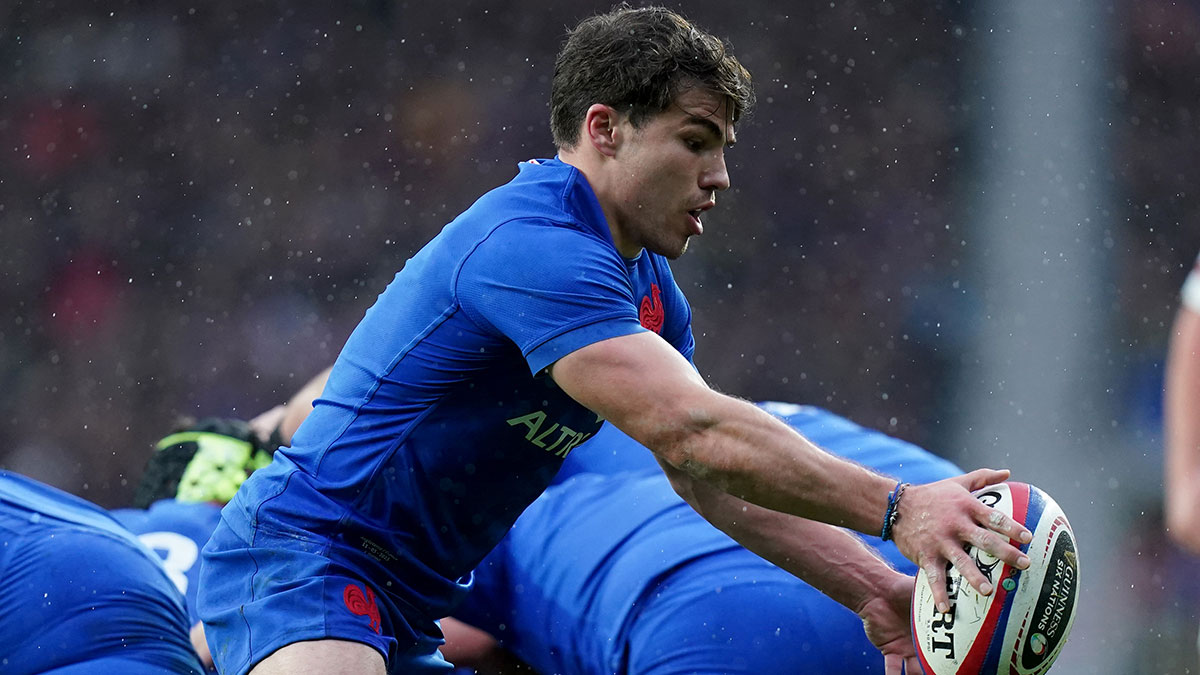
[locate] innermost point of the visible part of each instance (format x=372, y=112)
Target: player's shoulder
x=528, y=249
x=546, y=196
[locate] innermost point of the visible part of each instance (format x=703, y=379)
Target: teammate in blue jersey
x=587, y=584
x=192, y=474
x=79, y=594
x=176, y=531
x=545, y=307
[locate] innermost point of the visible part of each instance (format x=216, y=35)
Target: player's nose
x=716, y=175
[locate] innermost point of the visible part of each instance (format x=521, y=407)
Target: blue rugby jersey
x=80, y=592
x=176, y=531
x=22, y=493
x=437, y=425
x=562, y=590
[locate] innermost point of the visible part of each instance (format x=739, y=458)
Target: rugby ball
x=1021, y=627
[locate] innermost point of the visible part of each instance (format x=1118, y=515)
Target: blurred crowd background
x=199, y=201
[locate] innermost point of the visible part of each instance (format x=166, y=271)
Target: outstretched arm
x=648, y=390
x=1181, y=417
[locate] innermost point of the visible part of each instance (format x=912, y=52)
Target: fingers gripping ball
x=1021, y=627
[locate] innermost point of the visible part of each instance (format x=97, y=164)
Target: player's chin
x=671, y=250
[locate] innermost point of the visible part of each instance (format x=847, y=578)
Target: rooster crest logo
x=363, y=604
x=651, y=313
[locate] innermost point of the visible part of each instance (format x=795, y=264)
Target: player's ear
x=600, y=128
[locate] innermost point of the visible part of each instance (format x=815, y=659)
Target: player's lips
x=694, y=214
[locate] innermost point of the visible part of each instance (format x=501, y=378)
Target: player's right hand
x=938, y=521
x=885, y=619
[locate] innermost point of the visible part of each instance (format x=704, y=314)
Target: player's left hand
x=938, y=521
x=886, y=621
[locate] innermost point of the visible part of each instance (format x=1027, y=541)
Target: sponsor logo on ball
x=1056, y=602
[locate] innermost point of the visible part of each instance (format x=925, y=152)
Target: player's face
x=669, y=173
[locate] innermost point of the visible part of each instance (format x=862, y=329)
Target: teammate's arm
x=469, y=647
x=829, y=558
x=648, y=390
x=283, y=420
x=1181, y=416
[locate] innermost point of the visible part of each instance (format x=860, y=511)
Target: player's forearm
x=648, y=390
x=832, y=560
x=753, y=456
x=1182, y=430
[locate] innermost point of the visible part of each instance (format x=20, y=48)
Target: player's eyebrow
x=713, y=129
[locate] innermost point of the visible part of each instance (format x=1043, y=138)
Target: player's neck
x=592, y=166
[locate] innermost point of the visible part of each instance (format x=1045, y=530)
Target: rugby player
x=545, y=308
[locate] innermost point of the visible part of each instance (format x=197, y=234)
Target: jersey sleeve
x=1190, y=294
x=549, y=289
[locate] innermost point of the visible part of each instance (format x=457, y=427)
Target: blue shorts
x=256, y=599
x=78, y=599
x=717, y=616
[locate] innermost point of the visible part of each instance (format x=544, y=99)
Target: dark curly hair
x=638, y=61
